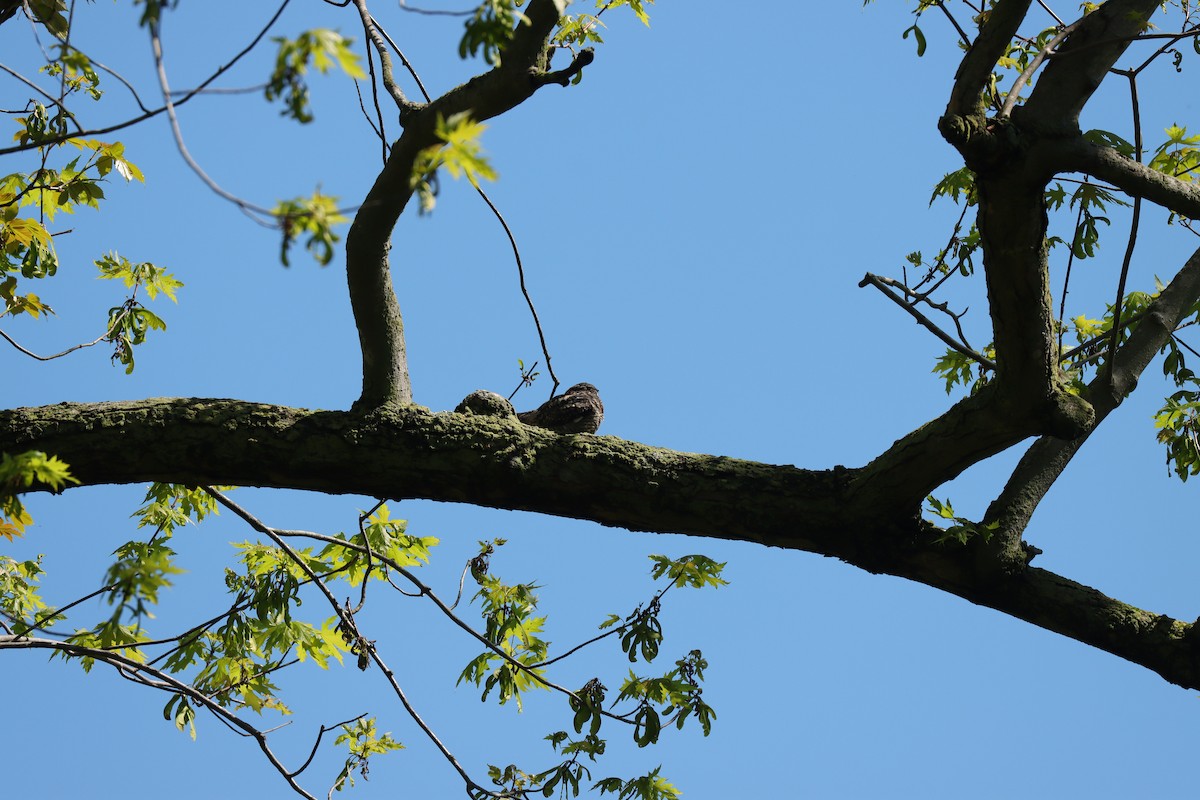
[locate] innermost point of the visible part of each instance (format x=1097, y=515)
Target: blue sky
x=694, y=219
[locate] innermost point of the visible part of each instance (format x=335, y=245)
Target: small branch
x=975, y=70
x=177, y=132
x=147, y=115
x=961, y=33
x=1015, y=92
x=435, y=13
x=406, y=106
x=1050, y=11
x=1095, y=340
x=377, y=129
x=68, y=351
x=403, y=59
x=512, y=240
x=1133, y=225
x=880, y=284
x=658, y=596
x=324, y=730
x=940, y=262
x=563, y=76
x=134, y=671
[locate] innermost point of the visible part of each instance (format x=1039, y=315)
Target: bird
x=577, y=410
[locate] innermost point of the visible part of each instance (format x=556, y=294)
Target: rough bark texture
x=498, y=462
x=388, y=448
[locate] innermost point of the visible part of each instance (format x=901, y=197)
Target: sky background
x=694, y=219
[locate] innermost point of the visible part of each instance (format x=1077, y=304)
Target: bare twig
x=177, y=132
x=1135, y=108
x=881, y=284
x=69, y=350
x=524, y=291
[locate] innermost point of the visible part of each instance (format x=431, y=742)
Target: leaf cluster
x=319, y=48
x=963, y=530
x=19, y=473
x=20, y=601
x=490, y=29
x=511, y=628
x=459, y=152
x=130, y=322
x=26, y=246
x=363, y=741
x=314, y=215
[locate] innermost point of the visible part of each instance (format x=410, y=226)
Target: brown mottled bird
x=577, y=410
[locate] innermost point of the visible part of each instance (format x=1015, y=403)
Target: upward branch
x=368, y=244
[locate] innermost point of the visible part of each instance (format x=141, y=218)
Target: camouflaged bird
x=577, y=410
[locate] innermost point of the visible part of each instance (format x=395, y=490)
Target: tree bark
x=500, y=463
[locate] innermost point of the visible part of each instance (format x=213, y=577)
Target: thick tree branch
x=1137, y=180
x=972, y=430
x=1012, y=227
x=8, y=8
x=413, y=453
x=1080, y=65
x=1046, y=459
x=497, y=462
x=975, y=70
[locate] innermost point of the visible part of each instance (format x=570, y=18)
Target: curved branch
x=200, y=88
x=376, y=310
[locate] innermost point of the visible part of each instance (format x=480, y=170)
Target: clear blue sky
x=694, y=218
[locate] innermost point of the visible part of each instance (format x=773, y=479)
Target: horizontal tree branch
x=1136, y=180
x=414, y=453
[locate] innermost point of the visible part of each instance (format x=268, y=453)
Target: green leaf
x=320, y=48
x=918, y=36
x=315, y=215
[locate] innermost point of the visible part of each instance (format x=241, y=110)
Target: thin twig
x=879, y=283
x=1062, y=303
x=524, y=291
x=403, y=59
x=162, y=680
x=963, y=34
x=435, y=13
x=69, y=350
x=324, y=730
x=1135, y=108
x=177, y=132
x=1050, y=11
